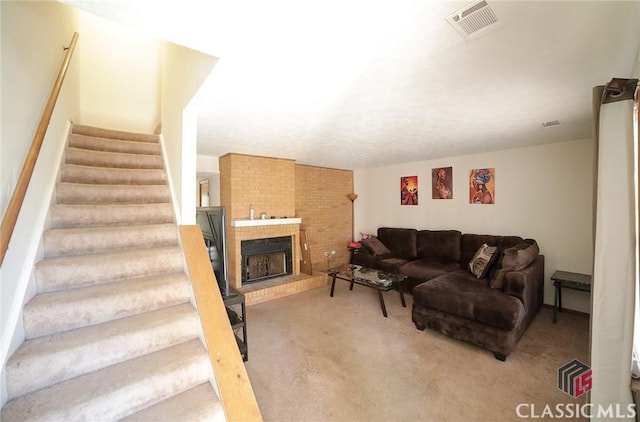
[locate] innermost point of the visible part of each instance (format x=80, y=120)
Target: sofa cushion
x=482, y=260
x=521, y=256
x=509, y=241
x=506, y=242
x=460, y=293
x=470, y=243
x=515, y=258
x=441, y=245
x=424, y=269
x=375, y=246
x=401, y=242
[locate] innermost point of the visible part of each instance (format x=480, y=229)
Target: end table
x=568, y=280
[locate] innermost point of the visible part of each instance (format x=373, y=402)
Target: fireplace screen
x=260, y=267
x=265, y=258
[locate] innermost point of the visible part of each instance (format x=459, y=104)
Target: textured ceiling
x=355, y=84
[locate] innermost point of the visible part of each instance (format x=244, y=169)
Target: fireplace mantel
x=265, y=222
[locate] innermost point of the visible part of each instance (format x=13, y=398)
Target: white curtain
x=614, y=272
x=635, y=362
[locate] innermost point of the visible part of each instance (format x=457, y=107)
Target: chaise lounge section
x=483, y=289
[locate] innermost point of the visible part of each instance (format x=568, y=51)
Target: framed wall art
x=409, y=190
x=482, y=186
x=442, y=183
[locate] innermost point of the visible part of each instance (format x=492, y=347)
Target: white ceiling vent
x=474, y=20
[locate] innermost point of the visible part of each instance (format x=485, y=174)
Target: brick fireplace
x=244, y=230
x=267, y=184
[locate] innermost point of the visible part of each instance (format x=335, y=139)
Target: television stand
x=238, y=321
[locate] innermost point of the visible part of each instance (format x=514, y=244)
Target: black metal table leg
x=559, y=297
x=401, y=290
x=351, y=286
x=244, y=330
x=333, y=284
x=555, y=302
x=384, y=309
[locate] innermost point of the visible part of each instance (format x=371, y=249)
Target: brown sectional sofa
x=492, y=311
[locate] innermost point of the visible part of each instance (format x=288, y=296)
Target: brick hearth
x=281, y=287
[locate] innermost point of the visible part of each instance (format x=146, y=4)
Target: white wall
x=120, y=82
x=542, y=192
x=208, y=168
x=214, y=189
x=183, y=72
x=33, y=37
x=207, y=164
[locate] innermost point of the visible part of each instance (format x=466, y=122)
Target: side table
x=568, y=280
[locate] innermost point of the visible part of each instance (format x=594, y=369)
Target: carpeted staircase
x=111, y=332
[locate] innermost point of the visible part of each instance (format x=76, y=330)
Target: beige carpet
x=317, y=358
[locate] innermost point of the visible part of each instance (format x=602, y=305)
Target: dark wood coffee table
x=377, y=279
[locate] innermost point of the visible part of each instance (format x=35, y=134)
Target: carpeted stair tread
x=113, y=145
x=55, y=358
x=78, y=193
x=112, y=330
x=83, y=241
x=77, y=271
x=55, y=312
x=200, y=403
x=118, y=390
x=113, y=134
x=74, y=173
x=85, y=157
x=95, y=215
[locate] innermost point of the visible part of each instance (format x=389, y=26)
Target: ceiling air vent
x=550, y=123
x=474, y=20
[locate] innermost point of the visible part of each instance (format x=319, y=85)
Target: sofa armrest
x=367, y=259
x=362, y=256
x=527, y=285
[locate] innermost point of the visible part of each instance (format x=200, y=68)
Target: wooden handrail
x=17, y=198
x=236, y=394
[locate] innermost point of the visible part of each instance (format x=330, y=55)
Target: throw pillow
x=516, y=258
x=481, y=261
x=375, y=246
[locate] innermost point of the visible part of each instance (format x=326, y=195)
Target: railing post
x=234, y=387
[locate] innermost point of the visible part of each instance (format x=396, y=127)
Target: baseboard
x=569, y=311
